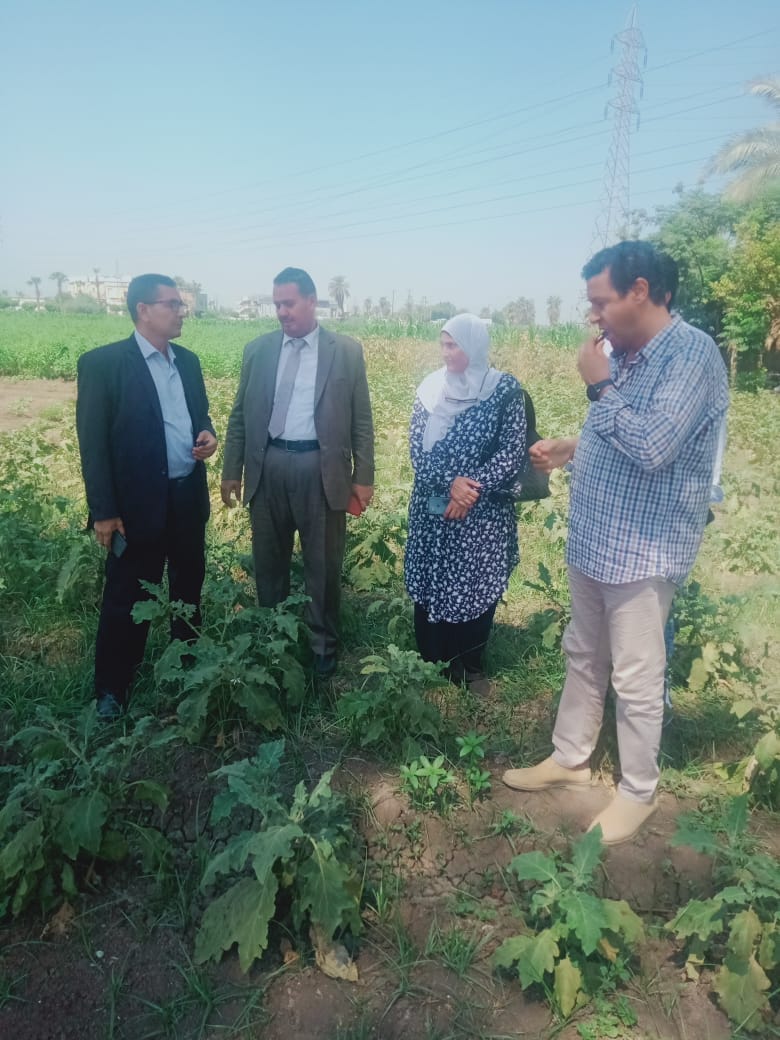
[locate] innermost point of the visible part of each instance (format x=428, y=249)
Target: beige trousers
x=616, y=632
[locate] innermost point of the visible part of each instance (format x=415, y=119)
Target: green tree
x=35, y=282
x=697, y=231
x=60, y=279
x=368, y=307
x=755, y=155
x=520, y=312
x=749, y=290
x=384, y=307
x=553, y=310
x=443, y=309
x=338, y=287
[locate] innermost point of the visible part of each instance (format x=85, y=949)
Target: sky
x=454, y=149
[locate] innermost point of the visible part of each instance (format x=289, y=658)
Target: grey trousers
x=616, y=632
x=290, y=498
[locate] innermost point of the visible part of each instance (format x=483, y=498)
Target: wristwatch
x=595, y=389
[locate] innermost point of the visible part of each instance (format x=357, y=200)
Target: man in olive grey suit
x=301, y=437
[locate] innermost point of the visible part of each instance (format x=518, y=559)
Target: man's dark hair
x=143, y=289
x=671, y=277
x=299, y=277
x=628, y=261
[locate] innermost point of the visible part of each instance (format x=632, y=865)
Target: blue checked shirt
x=642, y=471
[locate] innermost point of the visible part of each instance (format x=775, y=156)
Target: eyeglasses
x=172, y=305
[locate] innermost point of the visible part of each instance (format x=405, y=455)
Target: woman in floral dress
x=467, y=441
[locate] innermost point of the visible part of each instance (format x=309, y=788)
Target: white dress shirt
x=299, y=424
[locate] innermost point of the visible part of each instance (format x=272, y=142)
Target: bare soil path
x=23, y=401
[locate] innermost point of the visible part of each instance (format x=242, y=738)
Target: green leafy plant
x=245, y=661
x=304, y=848
x=762, y=768
x=705, y=646
x=429, y=784
x=738, y=928
x=375, y=560
x=471, y=751
x=71, y=804
x=579, y=939
x=391, y=713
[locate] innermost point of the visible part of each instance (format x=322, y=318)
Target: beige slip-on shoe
x=544, y=776
x=622, y=819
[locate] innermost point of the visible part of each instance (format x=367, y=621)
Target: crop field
x=250, y=854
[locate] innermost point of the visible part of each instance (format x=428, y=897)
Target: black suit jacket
x=122, y=438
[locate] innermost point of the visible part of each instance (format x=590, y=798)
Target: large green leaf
x=585, y=916
x=567, y=986
x=511, y=950
x=534, y=866
x=81, y=823
x=240, y=916
x=23, y=851
x=537, y=959
x=273, y=844
x=622, y=920
x=743, y=994
x=767, y=750
x=325, y=891
x=151, y=845
x=192, y=712
x=745, y=933
x=701, y=918
x=585, y=856
x=260, y=706
x=769, y=950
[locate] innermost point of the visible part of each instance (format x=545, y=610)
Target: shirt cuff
x=604, y=411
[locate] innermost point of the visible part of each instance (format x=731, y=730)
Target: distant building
x=110, y=291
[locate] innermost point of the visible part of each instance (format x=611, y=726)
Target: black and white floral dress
x=457, y=569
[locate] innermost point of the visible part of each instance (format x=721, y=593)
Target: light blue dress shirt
x=179, y=435
x=299, y=424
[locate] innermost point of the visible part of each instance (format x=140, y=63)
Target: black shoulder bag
x=529, y=485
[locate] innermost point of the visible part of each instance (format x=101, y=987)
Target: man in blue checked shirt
x=640, y=494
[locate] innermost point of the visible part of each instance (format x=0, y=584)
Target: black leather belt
x=277, y=442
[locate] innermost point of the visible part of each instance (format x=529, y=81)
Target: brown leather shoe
x=546, y=775
x=622, y=819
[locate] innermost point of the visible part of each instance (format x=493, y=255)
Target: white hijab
x=444, y=394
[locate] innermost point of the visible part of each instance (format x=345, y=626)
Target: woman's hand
x=455, y=512
x=464, y=492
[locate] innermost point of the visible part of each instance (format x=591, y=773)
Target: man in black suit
x=144, y=431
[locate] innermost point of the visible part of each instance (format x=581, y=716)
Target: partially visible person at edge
x=640, y=492
x=301, y=438
x=467, y=440
x=144, y=432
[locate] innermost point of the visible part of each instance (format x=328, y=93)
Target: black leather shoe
x=108, y=707
x=324, y=665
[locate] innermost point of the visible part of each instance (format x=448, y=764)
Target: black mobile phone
x=118, y=543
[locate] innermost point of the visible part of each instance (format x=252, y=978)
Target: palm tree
x=35, y=281
x=60, y=279
x=338, y=287
x=754, y=155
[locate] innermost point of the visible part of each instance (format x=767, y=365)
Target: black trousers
x=120, y=642
x=461, y=645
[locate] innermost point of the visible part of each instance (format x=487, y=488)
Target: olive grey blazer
x=342, y=416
